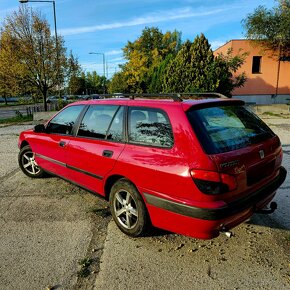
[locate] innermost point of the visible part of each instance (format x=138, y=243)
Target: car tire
x=128, y=208
x=28, y=164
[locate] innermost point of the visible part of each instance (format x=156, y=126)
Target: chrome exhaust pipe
x=228, y=234
x=224, y=230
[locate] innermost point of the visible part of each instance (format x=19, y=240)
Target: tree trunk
x=44, y=93
x=5, y=98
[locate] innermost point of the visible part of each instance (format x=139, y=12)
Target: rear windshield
x=227, y=128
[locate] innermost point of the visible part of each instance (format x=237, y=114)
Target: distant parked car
x=118, y=95
x=9, y=100
x=55, y=99
x=93, y=97
x=194, y=167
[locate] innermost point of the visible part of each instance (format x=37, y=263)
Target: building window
x=256, y=66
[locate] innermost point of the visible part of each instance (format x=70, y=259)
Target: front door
x=92, y=154
x=50, y=147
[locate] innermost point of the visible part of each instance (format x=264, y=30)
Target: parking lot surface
x=48, y=226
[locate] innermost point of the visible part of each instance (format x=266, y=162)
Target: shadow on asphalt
x=266, y=221
x=155, y=232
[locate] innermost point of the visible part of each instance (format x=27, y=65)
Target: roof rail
x=176, y=97
x=173, y=96
x=206, y=95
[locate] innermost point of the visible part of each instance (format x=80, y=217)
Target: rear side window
x=63, y=122
x=149, y=126
x=102, y=122
x=227, y=128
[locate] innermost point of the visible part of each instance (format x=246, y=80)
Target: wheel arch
x=110, y=181
x=23, y=143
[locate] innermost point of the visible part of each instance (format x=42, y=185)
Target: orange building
x=261, y=68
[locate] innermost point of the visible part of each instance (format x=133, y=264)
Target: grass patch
x=16, y=119
x=271, y=114
x=85, y=265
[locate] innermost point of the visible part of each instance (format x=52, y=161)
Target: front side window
x=150, y=126
x=63, y=122
x=227, y=128
x=102, y=122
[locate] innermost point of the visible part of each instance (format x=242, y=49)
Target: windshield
x=227, y=128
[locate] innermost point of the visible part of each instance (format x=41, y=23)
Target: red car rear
x=192, y=167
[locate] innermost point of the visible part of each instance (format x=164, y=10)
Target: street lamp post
x=55, y=33
x=104, y=69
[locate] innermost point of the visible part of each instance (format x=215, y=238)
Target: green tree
x=270, y=27
x=8, y=85
x=118, y=84
x=195, y=69
x=95, y=83
x=225, y=69
x=87, y=83
x=191, y=69
x=34, y=56
x=145, y=54
x=77, y=85
x=158, y=75
x=75, y=78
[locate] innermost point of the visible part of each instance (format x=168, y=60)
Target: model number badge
x=229, y=164
x=262, y=154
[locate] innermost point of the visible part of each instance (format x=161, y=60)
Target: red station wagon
x=194, y=167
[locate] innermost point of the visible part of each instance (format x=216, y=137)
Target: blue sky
x=105, y=26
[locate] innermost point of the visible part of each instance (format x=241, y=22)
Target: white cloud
x=114, y=52
x=117, y=59
x=98, y=67
x=156, y=17
x=90, y=66
x=216, y=44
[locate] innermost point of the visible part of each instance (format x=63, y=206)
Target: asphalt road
x=48, y=226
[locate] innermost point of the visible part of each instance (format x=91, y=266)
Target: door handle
x=61, y=143
x=107, y=153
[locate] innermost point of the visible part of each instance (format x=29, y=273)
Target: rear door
x=239, y=143
x=92, y=154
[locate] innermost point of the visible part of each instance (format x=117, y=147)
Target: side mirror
x=39, y=128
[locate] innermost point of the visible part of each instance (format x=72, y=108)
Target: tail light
x=211, y=182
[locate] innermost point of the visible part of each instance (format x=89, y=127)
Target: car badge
x=262, y=154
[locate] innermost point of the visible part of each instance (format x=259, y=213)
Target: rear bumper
x=210, y=219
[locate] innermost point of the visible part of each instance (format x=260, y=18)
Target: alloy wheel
x=29, y=163
x=125, y=209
